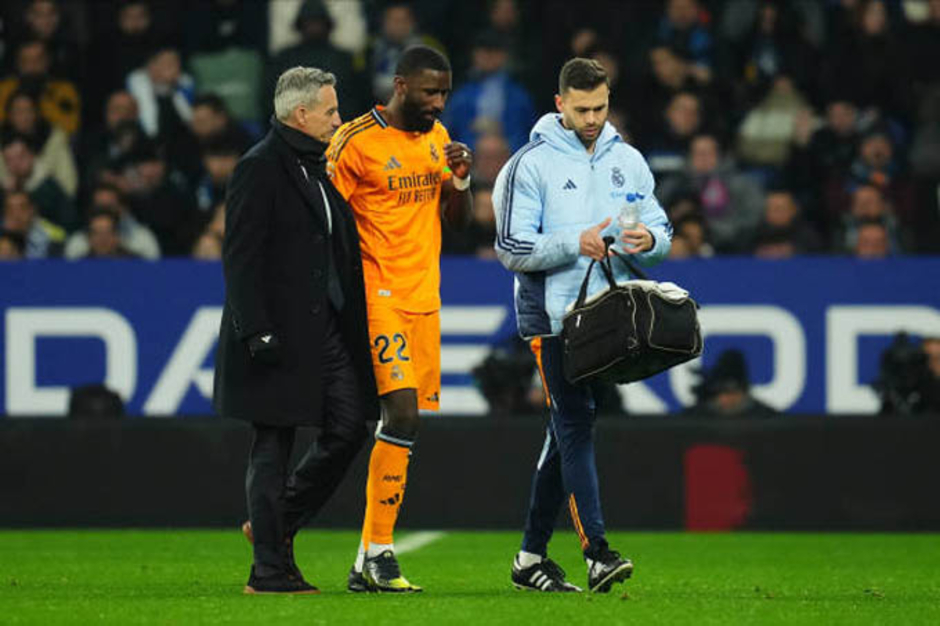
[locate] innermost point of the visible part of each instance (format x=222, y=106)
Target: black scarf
x=311, y=152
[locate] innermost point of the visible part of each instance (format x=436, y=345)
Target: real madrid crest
x=434, y=154
x=616, y=177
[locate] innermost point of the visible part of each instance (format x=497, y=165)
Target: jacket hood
x=550, y=129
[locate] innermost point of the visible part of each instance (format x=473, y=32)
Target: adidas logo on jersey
x=392, y=164
x=570, y=185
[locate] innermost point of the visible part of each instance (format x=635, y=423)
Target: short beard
x=587, y=143
x=413, y=118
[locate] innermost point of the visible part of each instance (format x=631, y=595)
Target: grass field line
x=416, y=541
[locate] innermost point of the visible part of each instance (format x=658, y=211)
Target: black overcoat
x=275, y=259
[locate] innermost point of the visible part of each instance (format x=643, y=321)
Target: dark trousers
x=566, y=472
x=280, y=502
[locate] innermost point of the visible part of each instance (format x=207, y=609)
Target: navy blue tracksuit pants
x=566, y=471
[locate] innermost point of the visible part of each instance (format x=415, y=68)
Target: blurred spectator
x=127, y=38
x=111, y=142
x=724, y=390
x=685, y=27
x=766, y=134
x=41, y=238
x=868, y=206
x=164, y=95
x=690, y=238
x=878, y=164
x=43, y=20
x=822, y=154
x=103, y=239
x=399, y=30
x=739, y=18
x=224, y=40
x=135, y=237
x=315, y=25
x=774, y=243
x=772, y=46
x=211, y=120
x=666, y=149
x=871, y=240
x=207, y=248
x=490, y=100
x=620, y=96
x=21, y=172
x=59, y=100
x=908, y=378
x=731, y=202
x=867, y=61
x=50, y=143
x=219, y=158
x=350, y=32
x=12, y=246
x=215, y=25
x=478, y=237
x=159, y=197
x=782, y=231
x=209, y=245
x=490, y=155
x=665, y=75
x=505, y=19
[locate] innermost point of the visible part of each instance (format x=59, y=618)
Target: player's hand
x=592, y=244
x=638, y=240
x=459, y=158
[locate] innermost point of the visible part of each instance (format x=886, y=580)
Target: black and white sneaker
x=357, y=583
x=546, y=575
x=606, y=568
x=383, y=574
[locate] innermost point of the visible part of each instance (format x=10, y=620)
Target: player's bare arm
x=457, y=204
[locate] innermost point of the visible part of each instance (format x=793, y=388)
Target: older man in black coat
x=293, y=346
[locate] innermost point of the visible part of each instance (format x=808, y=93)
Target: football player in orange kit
x=400, y=173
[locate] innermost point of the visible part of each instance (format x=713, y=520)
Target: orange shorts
x=406, y=353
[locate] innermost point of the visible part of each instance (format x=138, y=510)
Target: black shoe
x=606, y=567
x=357, y=583
x=383, y=574
x=546, y=575
x=278, y=584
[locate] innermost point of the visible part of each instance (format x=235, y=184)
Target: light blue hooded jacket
x=546, y=195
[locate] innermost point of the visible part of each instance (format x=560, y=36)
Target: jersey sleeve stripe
x=339, y=146
x=504, y=238
x=344, y=133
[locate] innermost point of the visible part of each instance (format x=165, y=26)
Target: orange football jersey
x=392, y=180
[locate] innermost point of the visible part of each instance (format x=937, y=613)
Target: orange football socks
x=385, y=490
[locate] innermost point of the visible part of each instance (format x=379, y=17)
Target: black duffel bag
x=631, y=330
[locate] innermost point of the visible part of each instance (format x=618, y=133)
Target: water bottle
x=629, y=217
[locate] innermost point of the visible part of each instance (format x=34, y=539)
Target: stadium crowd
x=773, y=127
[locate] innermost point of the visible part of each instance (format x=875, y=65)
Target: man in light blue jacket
x=555, y=201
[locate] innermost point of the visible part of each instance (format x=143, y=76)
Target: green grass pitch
x=196, y=577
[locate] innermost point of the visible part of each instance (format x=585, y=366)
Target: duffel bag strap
x=605, y=266
x=633, y=267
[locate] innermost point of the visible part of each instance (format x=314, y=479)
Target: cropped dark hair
x=582, y=74
x=418, y=58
